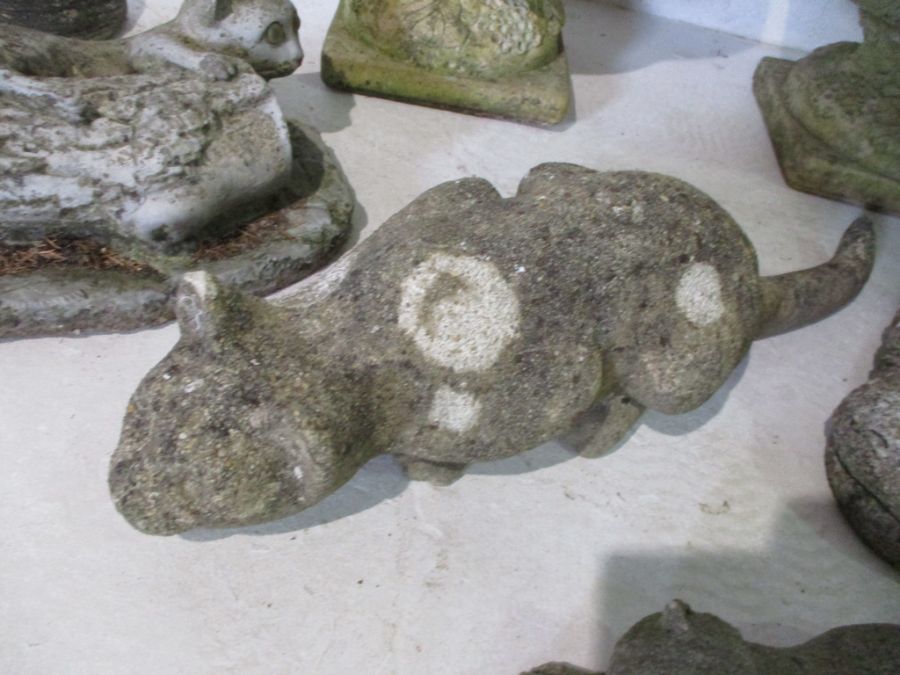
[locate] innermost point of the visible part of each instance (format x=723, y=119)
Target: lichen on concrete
x=85, y=19
x=467, y=328
x=832, y=116
x=502, y=58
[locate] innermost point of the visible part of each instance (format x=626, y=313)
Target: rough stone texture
x=312, y=217
x=679, y=641
x=502, y=58
x=87, y=19
x=468, y=327
x=156, y=157
x=832, y=116
x=150, y=146
x=863, y=452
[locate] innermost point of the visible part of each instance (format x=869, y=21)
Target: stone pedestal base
x=813, y=163
x=539, y=96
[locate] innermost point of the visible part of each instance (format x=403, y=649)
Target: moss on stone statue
x=832, y=116
x=502, y=58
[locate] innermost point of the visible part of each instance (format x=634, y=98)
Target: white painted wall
x=802, y=24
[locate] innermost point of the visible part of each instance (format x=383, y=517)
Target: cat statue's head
x=225, y=396
x=262, y=32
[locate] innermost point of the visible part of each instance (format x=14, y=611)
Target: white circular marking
x=459, y=311
x=699, y=295
x=456, y=411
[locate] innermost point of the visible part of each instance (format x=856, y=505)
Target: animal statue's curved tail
x=799, y=298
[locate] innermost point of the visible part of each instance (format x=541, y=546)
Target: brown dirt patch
x=90, y=254
x=266, y=228
x=60, y=252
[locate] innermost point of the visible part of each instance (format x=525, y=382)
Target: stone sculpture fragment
x=679, y=641
x=862, y=456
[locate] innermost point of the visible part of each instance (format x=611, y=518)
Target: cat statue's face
x=262, y=451
x=262, y=32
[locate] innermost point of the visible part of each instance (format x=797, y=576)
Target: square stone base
x=809, y=164
x=540, y=96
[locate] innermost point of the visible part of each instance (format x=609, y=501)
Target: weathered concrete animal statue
x=148, y=138
x=468, y=327
x=212, y=37
x=862, y=457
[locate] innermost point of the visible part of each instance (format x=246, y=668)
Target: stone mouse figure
x=467, y=328
x=679, y=641
x=210, y=37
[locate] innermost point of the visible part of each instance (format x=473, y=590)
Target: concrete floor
x=545, y=556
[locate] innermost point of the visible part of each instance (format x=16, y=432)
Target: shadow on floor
x=794, y=588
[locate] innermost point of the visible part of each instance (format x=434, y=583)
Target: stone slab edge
x=64, y=301
x=540, y=96
x=807, y=163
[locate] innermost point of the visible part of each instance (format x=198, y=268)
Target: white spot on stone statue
x=699, y=295
x=459, y=311
x=456, y=411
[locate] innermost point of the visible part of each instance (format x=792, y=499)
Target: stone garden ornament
x=679, y=641
x=833, y=116
x=467, y=328
x=156, y=149
x=502, y=58
x=863, y=452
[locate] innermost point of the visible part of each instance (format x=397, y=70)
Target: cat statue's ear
x=198, y=307
x=206, y=12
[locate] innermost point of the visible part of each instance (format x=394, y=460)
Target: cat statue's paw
x=218, y=68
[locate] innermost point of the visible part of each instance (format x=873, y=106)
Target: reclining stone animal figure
x=467, y=328
x=148, y=138
x=212, y=37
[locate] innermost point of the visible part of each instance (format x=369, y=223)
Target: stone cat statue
x=148, y=138
x=468, y=327
x=212, y=37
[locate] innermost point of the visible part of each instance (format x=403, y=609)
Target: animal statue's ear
x=196, y=307
x=223, y=9
x=204, y=12
x=674, y=617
